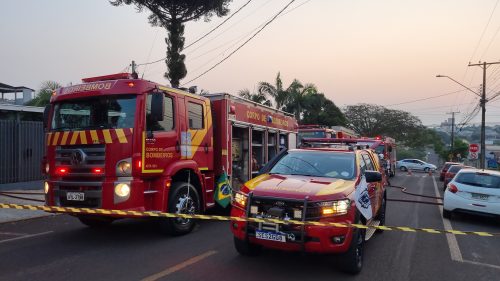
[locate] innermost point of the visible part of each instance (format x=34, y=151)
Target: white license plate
x=75, y=196
x=480, y=196
x=271, y=236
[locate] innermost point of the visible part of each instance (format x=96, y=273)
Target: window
x=195, y=115
x=103, y=112
x=168, y=116
x=368, y=161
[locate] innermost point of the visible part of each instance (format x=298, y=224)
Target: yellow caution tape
x=72, y=210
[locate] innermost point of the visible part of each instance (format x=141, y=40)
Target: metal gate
x=21, y=150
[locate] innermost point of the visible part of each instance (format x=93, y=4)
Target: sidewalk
x=11, y=215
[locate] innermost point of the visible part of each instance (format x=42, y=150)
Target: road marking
x=25, y=236
x=179, y=266
x=455, y=253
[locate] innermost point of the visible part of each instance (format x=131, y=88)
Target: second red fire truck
x=118, y=143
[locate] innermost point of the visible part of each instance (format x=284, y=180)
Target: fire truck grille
x=81, y=160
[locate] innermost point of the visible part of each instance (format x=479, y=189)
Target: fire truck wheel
x=352, y=261
x=95, y=221
x=245, y=248
x=183, y=199
x=381, y=214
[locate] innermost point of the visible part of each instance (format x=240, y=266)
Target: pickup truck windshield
x=104, y=112
x=317, y=164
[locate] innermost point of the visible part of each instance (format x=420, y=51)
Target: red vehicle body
x=315, y=131
x=385, y=146
x=129, y=144
x=267, y=194
x=445, y=168
x=451, y=172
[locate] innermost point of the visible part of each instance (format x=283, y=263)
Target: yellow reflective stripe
x=107, y=136
x=83, y=137
x=56, y=137
x=49, y=137
x=203, y=168
x=74, y=137
x=64, y=138
x=93, y=135
x=121, y=136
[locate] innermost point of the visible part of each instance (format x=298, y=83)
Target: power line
x=241, y=46
x=423, y=99
x=215, y=28
x=484, y=31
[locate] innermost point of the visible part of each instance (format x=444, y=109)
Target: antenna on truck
x=134, y=73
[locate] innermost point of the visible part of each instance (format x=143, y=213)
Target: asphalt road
x=60, y=248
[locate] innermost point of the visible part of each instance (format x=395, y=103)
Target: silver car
x=415, y=165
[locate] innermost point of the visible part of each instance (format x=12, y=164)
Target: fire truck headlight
x=122, y=190
x=46, y=187
x=47, y=168
x=124, y=168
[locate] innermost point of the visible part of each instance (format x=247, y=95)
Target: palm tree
x=297, y=96
x=276, y=91
x=258, y=97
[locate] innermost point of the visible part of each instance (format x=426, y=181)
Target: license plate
x=75, y=196
x=271, y=236
x=480, y=196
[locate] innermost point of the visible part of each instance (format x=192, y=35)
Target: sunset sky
x=381, y=52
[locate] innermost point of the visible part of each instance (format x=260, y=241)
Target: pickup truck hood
x=298, y=187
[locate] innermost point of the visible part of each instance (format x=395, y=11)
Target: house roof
x=4, y=88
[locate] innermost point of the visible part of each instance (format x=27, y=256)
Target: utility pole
x=483, y=102
x=134, y=72
x=453, y=132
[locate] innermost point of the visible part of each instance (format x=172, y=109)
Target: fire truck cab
x=117, y=143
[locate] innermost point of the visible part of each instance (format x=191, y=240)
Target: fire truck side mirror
x=389, y=149
x=157, y=108
x=46, y=116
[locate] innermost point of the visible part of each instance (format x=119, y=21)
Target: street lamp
x=483, y=105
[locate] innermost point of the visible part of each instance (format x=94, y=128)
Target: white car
x=414, y=164
x=473, y=191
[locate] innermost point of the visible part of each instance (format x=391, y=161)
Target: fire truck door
x=161, y=144
x=196, y=142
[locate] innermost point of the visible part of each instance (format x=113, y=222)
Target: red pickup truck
x=325, y=184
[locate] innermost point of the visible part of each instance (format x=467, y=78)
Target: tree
x=44, y=94
x=297, y=96
x=276, y=91
x=172, y=15
x=372, y=120
x=320, y=110
x=258, y=97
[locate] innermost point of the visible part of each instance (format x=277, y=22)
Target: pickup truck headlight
x=335, y=208
x=240, y=199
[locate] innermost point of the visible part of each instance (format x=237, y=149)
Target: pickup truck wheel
x=245, y=248
x=381, y=214
x=403, y=169
x=95, y=221
x=183, y=199
x=352, y=260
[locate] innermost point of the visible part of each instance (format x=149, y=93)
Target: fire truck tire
x=352, y=261
x=180, y=202
x=381, y=214
x=95, y=221
x=245, y=248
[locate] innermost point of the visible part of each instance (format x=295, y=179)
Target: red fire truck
x=118, y=143
x=385, y=146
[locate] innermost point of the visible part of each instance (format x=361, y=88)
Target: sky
x=385, y=52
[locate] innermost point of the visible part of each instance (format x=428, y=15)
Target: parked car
x=473, y=191
x=415, y=164
x=445, y=169
x=452, y=171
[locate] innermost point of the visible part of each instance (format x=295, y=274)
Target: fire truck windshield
x=103, y=112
